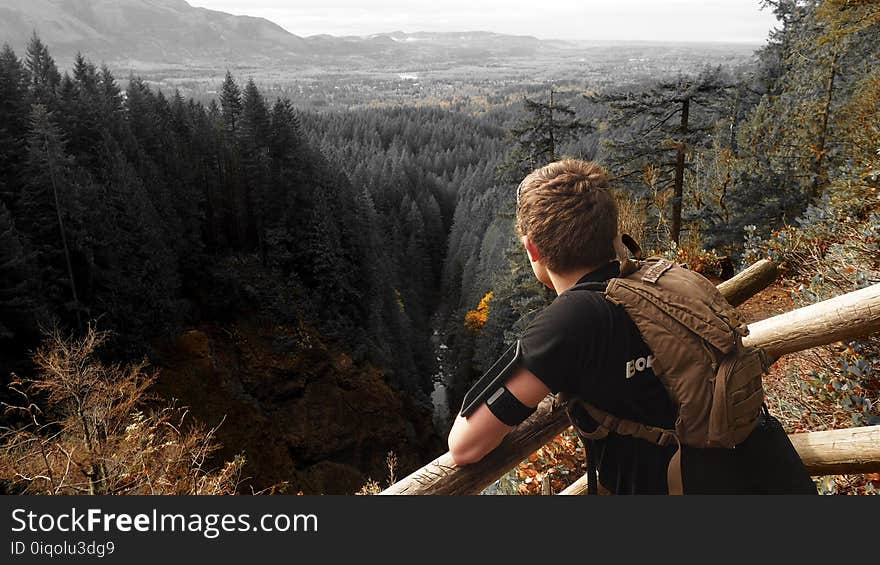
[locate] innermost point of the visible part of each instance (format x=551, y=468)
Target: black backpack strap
x=629, y=266
x=592, y=471
x=632, y=245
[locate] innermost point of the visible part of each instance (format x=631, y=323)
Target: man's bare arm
x=473, y=437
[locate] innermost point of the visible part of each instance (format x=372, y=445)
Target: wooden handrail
x=832, y=452
x=843, y=317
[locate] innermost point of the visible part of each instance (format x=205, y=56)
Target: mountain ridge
x=172, y=32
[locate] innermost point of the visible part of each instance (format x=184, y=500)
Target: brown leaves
x=562, y=460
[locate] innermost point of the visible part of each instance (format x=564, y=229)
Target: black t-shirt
x=584, y=344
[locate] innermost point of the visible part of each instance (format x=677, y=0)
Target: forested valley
x=302, y=279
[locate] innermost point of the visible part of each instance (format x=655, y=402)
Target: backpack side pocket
x=737, y=397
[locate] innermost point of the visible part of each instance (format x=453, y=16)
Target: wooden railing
x=844, y=317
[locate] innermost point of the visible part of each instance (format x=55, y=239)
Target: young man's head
x=567, y=217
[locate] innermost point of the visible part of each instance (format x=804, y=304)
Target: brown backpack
x=695, y=336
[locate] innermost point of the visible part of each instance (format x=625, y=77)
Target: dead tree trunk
x=820, y=176
x=678, y=186
x=49, y=162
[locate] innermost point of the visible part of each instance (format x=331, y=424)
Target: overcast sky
x=666, y=20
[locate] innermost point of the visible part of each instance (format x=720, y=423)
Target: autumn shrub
x=91, y=428
x=644, y=220
x=476, y=319
x=555, y=465
x=559, y=462
x=691, y=252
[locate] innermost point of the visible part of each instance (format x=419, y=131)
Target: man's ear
x=531, y=249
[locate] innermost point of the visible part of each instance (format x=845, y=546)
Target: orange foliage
x=562, y=459
x=476, y=319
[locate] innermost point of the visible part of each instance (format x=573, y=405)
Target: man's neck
x=564, y=281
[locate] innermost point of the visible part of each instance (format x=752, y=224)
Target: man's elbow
x=463, y=453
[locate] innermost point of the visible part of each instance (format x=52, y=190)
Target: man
x=586, y=346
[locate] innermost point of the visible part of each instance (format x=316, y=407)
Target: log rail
x=832, y=452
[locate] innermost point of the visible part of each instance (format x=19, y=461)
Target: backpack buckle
x=666, y=437
x=579, y=416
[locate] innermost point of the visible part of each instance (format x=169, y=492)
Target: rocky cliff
x=299, y=410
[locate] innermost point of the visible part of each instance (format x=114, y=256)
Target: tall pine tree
x=42, y=72
x=45, y=207
x=13, y=124
x=654, y=131
x=538, y=137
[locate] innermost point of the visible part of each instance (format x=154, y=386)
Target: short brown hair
x=567, y=210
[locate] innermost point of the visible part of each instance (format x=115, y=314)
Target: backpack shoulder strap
x=607, y=423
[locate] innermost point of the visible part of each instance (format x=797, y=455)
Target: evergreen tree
x=143, y=121
x=234, y=201
x=131, y=274
x=254, y=116
x=13, y=124
x=230, y=102
x=183, y=171
x=46, y=205
x=538, y=137
x=81, y=116
x=42, y=71
x=254, y=135
x=111, y=96
x=672, y=116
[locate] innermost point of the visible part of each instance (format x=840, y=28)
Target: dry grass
x=87, y=429
x=373, y=487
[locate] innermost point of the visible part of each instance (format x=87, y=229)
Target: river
x=439, y=396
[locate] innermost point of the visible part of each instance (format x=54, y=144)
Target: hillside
x=145, y=31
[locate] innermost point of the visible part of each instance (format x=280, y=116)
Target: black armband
x=508, y=408
x=491, y=390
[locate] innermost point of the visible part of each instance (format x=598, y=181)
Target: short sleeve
x=556, y=343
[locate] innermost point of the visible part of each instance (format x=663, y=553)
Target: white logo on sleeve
x=638, y=365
